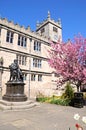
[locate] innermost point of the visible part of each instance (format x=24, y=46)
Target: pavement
x=42, y=117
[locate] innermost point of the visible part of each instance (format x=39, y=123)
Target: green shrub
x=64, y=100
x=41, y=99
x=53, y=100
x=69, y=92
x=59, y=101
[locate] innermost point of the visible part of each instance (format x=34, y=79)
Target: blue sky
x=28, y=12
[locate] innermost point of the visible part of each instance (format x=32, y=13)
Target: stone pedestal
x=14, y=92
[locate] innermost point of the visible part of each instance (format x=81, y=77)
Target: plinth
x=15, y=92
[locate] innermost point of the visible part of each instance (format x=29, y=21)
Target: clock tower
x=50, y=29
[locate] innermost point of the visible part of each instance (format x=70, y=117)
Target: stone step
x=5, y=105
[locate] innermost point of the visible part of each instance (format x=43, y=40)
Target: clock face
x=55, y=37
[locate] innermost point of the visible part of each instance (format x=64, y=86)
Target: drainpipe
x=29, y=68
x=1, y=71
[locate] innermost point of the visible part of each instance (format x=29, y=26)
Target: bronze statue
x=15, y=85
x=15, y=72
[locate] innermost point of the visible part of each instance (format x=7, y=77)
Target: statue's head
x=16, y=61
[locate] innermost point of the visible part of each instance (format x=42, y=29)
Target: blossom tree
x=69, y=61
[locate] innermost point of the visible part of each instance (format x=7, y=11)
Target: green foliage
x=69, y=92
x=53, y=100
x=41, y=98
x=64, y=100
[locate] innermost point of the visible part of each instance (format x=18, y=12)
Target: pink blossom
x=69, y=60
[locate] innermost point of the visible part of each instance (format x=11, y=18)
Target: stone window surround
x=37, y=45
x=33, y=77
x=22, y=40
x=37, y=62
x=38, y=76
x=21, y=59
x=9, y=36
x=55, y=29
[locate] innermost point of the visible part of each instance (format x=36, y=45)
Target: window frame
x=37, y=46
x=22, y=41
x=9, y=36
x=33, y=77
x=55, y=29
x=42, y=30
x=21, y=59
x=37, y=62
x=39, y=77
x=25, y=76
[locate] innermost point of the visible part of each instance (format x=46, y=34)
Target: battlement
x=57, y=23
x=15, y=26
x=11, y=24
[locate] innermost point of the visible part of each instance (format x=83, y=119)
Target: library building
x=31, y=49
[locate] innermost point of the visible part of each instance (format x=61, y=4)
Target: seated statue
x=15, y=72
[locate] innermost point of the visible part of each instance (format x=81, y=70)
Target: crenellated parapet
x=15, y=26
x=57, y=23
x=50, y=28
x=11, y=24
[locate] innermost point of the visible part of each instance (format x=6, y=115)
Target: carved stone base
x=14, y=92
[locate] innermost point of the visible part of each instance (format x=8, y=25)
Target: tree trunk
x=77, y=88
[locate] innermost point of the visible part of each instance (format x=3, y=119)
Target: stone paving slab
x=42, y=117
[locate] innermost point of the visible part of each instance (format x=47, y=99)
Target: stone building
x=31, y=50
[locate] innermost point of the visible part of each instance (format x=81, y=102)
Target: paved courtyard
x=42, y=117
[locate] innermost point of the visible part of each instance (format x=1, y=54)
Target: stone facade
x=31, y=50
